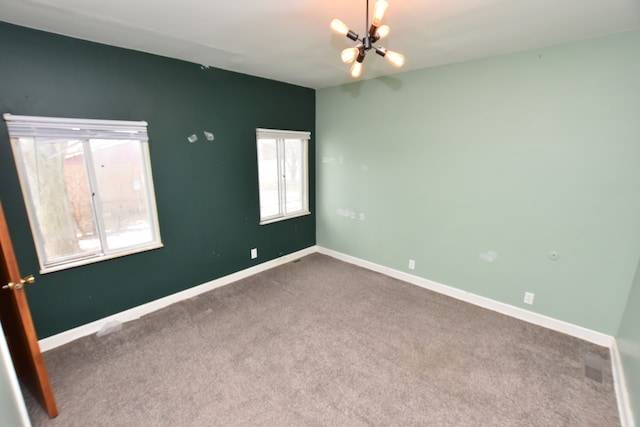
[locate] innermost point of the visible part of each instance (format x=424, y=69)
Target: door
x=18, y=325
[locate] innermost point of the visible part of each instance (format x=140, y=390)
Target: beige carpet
x=319, y=342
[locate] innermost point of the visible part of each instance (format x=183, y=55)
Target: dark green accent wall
x=206, y=193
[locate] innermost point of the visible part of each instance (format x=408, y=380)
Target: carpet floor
x=319, y=342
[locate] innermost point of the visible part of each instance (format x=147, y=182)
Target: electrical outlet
x=412, y=264
x=528, y=297
x=254, y=253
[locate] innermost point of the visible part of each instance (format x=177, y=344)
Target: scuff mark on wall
x=348, y=213
x=488, y=256
x=209, y=136
x=329, y=160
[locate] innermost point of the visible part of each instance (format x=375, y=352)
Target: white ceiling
x=290, y=40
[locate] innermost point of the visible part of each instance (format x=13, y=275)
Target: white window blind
x=282, y=134
x=54, y=127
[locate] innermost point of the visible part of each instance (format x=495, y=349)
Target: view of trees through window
x=88, y=196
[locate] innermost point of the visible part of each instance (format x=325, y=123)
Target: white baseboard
x=620, y=386
x=519, y=313
x=624, y=406
x=141, y=310
x=622, y=396
x=500, y=307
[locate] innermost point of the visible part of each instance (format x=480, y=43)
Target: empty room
x=292, y=213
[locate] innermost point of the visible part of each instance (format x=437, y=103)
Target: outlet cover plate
x=528, y=298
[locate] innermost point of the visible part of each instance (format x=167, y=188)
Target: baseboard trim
x=620, y=386
x=619, y=382
x=509, y=310
x=497, y=306
x=141, y=310
x=622, y=396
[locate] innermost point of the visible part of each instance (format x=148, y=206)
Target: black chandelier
x=376, y=32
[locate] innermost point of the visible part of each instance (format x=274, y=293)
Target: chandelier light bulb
x=396, y=59
x=339, y=27
x=349, y=54
x=356, y=69
x=383, y=31
x=378, y=12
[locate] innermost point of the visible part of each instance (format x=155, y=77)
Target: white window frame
x=280, y=136
x=85, y=129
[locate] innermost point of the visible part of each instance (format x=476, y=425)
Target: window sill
x=98, y=258
x=283, y=218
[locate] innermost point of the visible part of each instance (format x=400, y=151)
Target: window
x=282, y=174
x=87, y=187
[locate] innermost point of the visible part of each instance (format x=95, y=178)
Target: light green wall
x=519, y=154
x=629, y=346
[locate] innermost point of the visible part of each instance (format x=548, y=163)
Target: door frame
x=17, y=324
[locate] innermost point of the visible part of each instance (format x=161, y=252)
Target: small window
x=87, y=187
x=282, y=174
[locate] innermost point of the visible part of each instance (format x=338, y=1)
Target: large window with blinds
x=87, y=186
x=283, y=178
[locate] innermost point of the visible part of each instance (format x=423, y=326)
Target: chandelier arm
x=353, y=36
x=372, y=31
